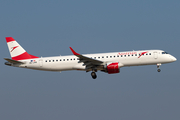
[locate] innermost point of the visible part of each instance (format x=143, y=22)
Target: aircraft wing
x=89, y=62
x=13, y=61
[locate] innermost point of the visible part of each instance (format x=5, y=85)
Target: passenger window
x=60, y=59
x=106, y=56
x=128, y=55
x=149, y=53
x=146, y=54
x=135, y=54
x=46, y=60
x=117, y=55
x=110, y=56
x=132, y=55
x=49, y=60
x=99, y=57
x=124, y=55
x=64, y=59
x=121, y=55
x=102, y=56
x=56, y=60
x=67, y=59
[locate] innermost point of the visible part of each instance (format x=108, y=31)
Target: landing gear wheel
x=159, y=70
x=158, y=66
x=93, y=74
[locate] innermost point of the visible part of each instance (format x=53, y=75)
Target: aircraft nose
x=173, y=59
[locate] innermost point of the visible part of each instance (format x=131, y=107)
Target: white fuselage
x=129, y=58
x=105, y=62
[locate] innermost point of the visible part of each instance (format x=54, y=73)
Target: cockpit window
x=164, y=53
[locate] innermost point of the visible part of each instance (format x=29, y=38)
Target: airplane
x=106, y=62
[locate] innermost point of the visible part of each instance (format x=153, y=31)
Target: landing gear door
x=155, y=55
x=40, y=62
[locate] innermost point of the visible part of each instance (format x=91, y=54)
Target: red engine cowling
x=113, y=68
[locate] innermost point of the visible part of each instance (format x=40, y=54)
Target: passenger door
x=40, y=62
x=155, y=55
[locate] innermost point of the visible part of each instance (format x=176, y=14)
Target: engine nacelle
x=113, y=68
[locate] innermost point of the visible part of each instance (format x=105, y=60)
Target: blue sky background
x=50, y=27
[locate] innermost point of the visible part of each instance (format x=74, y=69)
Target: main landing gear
x=93, y=74
x=158, y=66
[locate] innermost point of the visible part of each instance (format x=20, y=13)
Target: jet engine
x=112, y=68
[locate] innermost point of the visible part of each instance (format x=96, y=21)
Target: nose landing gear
x=159, y=70
x=158, y=66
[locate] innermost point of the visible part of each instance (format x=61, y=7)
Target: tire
x=159, y=70
x=93, y=74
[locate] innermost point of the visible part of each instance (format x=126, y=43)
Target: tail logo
x=14, y=48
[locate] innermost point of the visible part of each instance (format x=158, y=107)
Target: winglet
x=75, y=53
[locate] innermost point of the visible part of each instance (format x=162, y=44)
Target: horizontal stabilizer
x=13, y=61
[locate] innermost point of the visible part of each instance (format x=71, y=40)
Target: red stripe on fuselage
x=9, y=39
x=24, y=56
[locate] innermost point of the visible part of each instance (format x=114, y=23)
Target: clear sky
x=50, y=27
